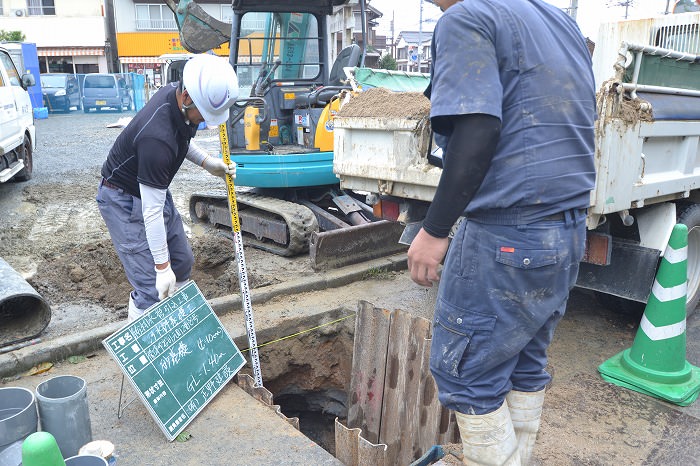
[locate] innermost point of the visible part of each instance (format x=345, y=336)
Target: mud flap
x=355, y=244
x=630, y=274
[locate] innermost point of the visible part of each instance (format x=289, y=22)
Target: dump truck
x=647, y=158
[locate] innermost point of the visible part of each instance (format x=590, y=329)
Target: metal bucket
x=24, y=314
x=18, y=420
x=64, y=412
x=86, y=460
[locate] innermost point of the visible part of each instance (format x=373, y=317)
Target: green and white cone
x=655, y=364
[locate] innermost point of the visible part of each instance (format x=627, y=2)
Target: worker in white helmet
x=133, y=196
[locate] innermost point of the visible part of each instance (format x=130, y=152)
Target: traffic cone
x=655, y=364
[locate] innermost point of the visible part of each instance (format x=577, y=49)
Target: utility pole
x=573, y=9
x=393, y=45
x=626, y=3
x=420, y=37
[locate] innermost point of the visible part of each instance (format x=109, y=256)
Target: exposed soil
x=383, y=103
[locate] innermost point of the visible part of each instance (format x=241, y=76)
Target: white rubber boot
x=134, y=312
x=488, y=439
x=525, y=412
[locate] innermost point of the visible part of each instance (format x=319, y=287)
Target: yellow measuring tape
x=242, y=269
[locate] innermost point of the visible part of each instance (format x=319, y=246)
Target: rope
x=301, y=333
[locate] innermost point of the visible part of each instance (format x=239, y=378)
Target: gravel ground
x=51, y=231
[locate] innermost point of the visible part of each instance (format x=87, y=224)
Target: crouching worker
x=133, y=195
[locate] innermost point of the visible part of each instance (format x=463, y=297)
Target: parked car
x=105, y=90
x=61, y=91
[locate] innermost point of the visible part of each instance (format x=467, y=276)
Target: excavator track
x=281, y=227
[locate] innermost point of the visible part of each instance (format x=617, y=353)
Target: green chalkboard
x=177, y=356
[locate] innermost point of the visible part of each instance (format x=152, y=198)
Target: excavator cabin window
x=277, y=47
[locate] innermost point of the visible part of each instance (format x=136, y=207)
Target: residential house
x=69, y=34
x=346, y=29
x=413, y=51
x=146, y=30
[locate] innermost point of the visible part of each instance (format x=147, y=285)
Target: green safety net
x=399, y=81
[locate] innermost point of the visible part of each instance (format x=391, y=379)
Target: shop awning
x=69, y=51
x=140, y=60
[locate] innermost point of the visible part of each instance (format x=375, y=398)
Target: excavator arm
x=199, y=31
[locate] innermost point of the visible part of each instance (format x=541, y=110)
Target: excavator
x=281, y=131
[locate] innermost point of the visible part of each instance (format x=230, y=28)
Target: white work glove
x=165, y=282
x=217, y=167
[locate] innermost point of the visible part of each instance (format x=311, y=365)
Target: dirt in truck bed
x=383, y=103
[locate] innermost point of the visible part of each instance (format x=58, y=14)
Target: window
x=11, y=70
x=40, y=7
x=158, y=17
x=227, y=13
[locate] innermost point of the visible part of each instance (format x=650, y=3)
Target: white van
x=17, y=132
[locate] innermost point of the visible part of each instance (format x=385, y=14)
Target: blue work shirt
x=526, y=63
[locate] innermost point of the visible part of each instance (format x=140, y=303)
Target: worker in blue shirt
x=513, y=100
x=133, y=195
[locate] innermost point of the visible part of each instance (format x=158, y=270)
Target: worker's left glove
x=217, y=167
x=165, y=282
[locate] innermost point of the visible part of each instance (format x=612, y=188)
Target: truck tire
x=688, y=213
x=26, y=173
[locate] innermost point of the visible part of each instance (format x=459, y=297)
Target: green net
x=399, y=81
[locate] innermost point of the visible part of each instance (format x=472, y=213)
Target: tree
x=387, y=62
x=11, y=36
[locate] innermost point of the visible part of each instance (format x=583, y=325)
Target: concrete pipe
x=24, y=314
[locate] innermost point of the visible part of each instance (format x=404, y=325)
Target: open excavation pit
x=369, y=370
x=309, y=374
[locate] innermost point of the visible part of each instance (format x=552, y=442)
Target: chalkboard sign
x=178, y=356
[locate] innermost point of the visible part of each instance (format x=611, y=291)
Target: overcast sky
x=406, y=13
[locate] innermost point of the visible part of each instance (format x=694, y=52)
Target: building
x=146, y=30
x=413, y=51
x=346, y=29
x=121, y=36
x=69, y=34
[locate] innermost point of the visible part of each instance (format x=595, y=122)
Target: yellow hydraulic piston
x=251, y=121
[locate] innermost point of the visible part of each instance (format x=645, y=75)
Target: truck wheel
x=688, y=213
x=26, y=172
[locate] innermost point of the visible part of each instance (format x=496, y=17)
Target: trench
x=309, y=375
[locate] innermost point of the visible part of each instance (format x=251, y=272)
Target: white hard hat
x=213, y=86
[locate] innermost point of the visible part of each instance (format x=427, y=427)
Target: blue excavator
x=281, y=131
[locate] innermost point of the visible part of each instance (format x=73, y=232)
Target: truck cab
x=17, y=131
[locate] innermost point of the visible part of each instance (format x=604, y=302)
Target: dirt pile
x=92, y=272
x=383, y=103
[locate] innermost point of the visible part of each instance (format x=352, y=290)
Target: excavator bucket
x=199, y=31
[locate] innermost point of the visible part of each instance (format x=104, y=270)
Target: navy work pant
x=502, y=291
x=122, y=215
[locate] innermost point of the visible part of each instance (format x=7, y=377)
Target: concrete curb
x=23, y=359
